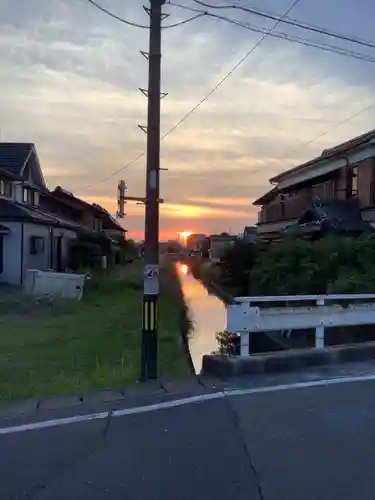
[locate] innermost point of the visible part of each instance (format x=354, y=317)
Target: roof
x=329, y=153
x=266, y=197
x=13, y=156
x=250, y=229
x=8, y=175
x=111, y=223
x=11, y=210
x=335, y=215
x=75, y=202
x=222, y=237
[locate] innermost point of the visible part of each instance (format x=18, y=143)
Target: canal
x=207, y=313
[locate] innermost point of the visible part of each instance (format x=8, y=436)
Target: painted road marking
x=58, y=422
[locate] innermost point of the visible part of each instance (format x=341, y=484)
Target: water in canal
x=207, y=313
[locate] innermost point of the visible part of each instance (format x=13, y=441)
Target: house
x=342, y=179
x=194, y=240
x=216, y=245
x=30, y=237
x=101, y=228
x=38, y=227
x=249, y=234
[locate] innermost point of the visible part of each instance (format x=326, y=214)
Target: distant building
x=194, y=240
x=218, y=244
x=249, y=234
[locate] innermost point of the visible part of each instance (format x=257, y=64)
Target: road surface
x=263, y=438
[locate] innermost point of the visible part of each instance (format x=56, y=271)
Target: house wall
x=67, y=236
x=292, y=204
x=12, y=254
x=42, y=260
x=330, y=164
x=366, y=177
x=87, y=220
x=218, y=248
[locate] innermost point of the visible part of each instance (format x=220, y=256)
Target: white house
x=30, y=238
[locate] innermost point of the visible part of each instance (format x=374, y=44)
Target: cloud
x=70, y=78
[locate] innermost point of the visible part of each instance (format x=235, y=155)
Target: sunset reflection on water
x=206, y=312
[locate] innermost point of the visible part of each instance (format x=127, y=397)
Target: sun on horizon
x=183, y=236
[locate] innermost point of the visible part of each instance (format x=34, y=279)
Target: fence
x=247, y=315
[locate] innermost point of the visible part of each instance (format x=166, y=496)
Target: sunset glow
x=267, y=117
x=186, y=234
x=184, y=269
x=183, y=236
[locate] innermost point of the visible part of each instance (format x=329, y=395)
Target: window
x=8, y=189
x=97, y=224
x=36, y=244
x=355, y=181
x=28, y=196
x=282, y=205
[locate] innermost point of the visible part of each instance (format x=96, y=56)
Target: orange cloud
x=108, y=202
x=238, y=202
x=185, y=211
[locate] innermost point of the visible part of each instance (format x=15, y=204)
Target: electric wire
x=207, y=96
x=290, y=22
x=135, y=25
x=285, y=36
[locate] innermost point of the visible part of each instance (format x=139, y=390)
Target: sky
x=70, y=75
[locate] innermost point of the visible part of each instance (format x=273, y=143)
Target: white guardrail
x=246, y=315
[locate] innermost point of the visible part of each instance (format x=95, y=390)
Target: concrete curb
x=108, y=399
x=285, y=361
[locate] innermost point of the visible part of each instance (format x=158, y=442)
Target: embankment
x=171, y=288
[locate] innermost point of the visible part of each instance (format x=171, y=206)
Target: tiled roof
x=333, y=215
x=11, y=210
x=368, y=137
x=13, y=155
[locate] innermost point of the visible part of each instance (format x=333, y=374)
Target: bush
x=333, y=264
x=237, y=262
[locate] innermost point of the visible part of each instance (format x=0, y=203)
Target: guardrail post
x=245, y=344
x=319, y=331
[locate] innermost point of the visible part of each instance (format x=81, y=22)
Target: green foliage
x=130, y=247
x=84, y=254
x=237, y=262
x=228, y=343
x=333, y=264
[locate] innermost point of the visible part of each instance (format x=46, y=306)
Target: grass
x=54, y=348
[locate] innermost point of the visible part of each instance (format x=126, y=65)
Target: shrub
x=333, y=264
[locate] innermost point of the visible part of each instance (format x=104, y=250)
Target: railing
x=246, y=316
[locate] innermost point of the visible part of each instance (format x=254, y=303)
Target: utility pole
x=149, y=349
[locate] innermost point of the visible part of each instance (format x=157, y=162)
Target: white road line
x=58, y=422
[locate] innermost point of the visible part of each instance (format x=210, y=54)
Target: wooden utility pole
x=149, y=350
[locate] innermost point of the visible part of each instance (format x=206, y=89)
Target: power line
x=135, y=25
x=328, y=131
x=314, y=139
x=290, y=22
x=115, y=16
x=285, y=36
x=99, y=181
x=208, y=95
x=306, y=24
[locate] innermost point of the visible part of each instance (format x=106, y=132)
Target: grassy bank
x=52, y=348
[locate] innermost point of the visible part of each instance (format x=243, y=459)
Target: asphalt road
x=297, y=443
